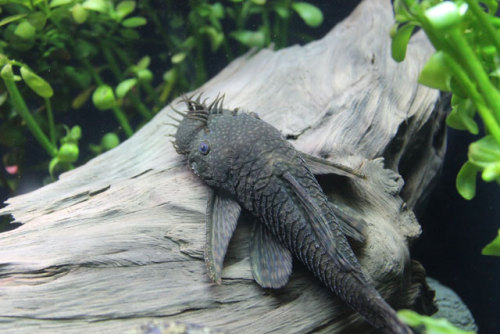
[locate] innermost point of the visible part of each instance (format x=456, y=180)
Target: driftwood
x=119, y=241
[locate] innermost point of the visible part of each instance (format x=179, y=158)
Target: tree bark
x=119, y=241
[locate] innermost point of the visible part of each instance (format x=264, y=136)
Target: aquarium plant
x=466, y=36
x=78, y=76
x=466, y=63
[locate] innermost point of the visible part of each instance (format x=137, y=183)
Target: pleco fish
x=248, y=163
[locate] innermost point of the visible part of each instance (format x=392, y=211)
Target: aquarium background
x=454, y=230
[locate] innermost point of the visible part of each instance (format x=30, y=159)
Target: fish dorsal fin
x=271, y=261
x=320, y=225
x=352, y=226
x=319, y=166
x=221, y=219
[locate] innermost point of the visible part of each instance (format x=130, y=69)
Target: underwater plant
x=466, y=36
x=77, y=72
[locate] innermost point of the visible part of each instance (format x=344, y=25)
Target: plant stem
x=144, y=84
x=122, y=119
x=476, y=71
x=489, y=120
x=166, y=91
x=111, y=61
x=483, y=19
x=140, y=106
x=201, y=73
x=22, y=109
x=160, y=28
x=50, y=118
x=119, y=114
x=266, y=25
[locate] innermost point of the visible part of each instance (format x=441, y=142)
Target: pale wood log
x=119, y=241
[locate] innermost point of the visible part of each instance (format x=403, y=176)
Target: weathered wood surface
x=120, y=240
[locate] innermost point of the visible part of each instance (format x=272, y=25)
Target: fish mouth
x=193, y=167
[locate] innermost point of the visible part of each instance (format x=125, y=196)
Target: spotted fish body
x=249, y=164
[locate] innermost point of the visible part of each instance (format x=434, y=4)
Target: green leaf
x=400, y=40
x=462, y=115
x=435, y=73
x=7, y=73
x=37, y=20
x=81, y=98
x=25, y=30
x=178, y=58
x=80, y=14
x=493, y=248
x=130, y=34
x=282, y=10
x=143, y=63
x=68, y=152
x=484, y=152
x=401, y=13
x=311, y=14
x=124, y=87
x=36, y=83
x=12, y=18
x=84, y=49
x=144, y=75
x=491, y=172
x=466, y=180
x=250, y=38
x=74, y=134
x=104, y=98
x=100, y=6
x=124, y=8
x=109, y=141
x=134, y=22
x=57, y=3
x=217, y=10
x=188, y=43
x=216, y=38
x=432, y=325
x=170, y=75
x=259, y=2
x=444, y=15
x=3, y=59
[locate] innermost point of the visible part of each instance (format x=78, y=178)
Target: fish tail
x=364, y=299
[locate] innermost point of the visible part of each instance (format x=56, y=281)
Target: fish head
x=207, y=151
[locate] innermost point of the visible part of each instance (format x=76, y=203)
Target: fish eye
x=204, y=148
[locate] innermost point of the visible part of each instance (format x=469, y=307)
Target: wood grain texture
x=120, y=240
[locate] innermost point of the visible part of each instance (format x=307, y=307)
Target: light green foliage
x=311, y=14
x=36, y=83
x=466, y=36
x=104, y=97
x=430, y=325
x=69, y=151
x=493, y=248
x=87, y=59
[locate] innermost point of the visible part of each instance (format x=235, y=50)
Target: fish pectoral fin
x=221, y=219
x=271, y=261
x=352, y=226
x=319, y=166
x=326, y=237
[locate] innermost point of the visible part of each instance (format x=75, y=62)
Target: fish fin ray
x=320, y=166
x=352, y=226
x=221, y=219
x=271, y=261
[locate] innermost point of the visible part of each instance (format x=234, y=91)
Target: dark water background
x=454, y=230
